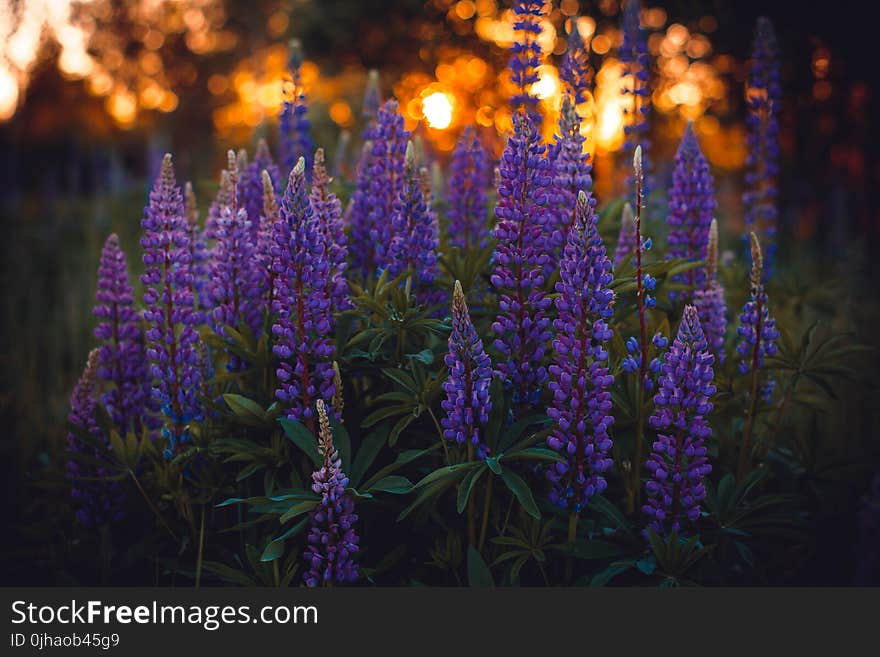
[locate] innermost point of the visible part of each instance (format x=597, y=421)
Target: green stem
x=485, y=520
x=201, y=549
x=745, y=454
x=151, y=505
x=440, y=433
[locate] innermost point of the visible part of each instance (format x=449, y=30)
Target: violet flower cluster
x=379, y=180
x=763, y=98
x=571, y=169
x=199, y=254
x=579, y=376
x=678, y=463
x=467, y=404
x=709, y=300
x=757, y=330
x=170, y=312
x=332, y=539
x=236, y=278
x=634, y=56
x=414, y=238
x=302, y=330
x=97, y=501
x=121, y=354
x=525, y=56
x=691, y=205
x=328, y=212
x=575, y=70
x=294, y=126
x=468, y=201
x=522, y=256
x=251, y=184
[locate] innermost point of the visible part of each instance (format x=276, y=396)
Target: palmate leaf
x=479, y=574
x=466, y=486
x=370, y=447
x=300, y=436
x=522, y=492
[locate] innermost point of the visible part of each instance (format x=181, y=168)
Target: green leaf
x=451, y=472
x=298, y=509
x=302, y=438
x=247, y=411
x=402, y=459
x=367, y=453
x=393, y=484
x=493, y=464
x=273, y=550
x=466, y=486
x=522, y=492
x=479, y=575
x=607, y=574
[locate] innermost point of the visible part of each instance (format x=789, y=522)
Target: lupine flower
x=121, y=358
x=521, y=257
x=757, y=329
x=303, y=324
x=709, y=300
x=170, y=312
x=691, y=205
x=678, y=462
x=626, y=239
x=579, y=377
x=468, y=203
x=571, y=167
x=525, y=56
x=225, y=196
x=294, y=126
x=372, y=102
x=97, y=502
x=198, y=249
x=575, y=70
x=251, y=184
x=332, y=540
x=328, y=212
x=764, y=98
x=414, y=243
x=338, y=402
x=636, y=62
x=467, y=404
x=379, y=181
x=236, y=279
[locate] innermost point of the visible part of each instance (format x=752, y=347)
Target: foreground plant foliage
x=483, y=385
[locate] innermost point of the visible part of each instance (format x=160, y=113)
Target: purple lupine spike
x=223, y=198
x=414, y=242
x=236, y=278
x=379, y=181
x=328, y=212
x=303, y=325
x=294, y=126
x=468, y=202
x=757, y=329
x=571, y=168
x=709, y=300
x=764, y=99
x=97, y=501
x=579, y=377
x=522, y=257
x=636, y=62
x=372, y=102
x=467, y=404
x=121, y=354
x=525, y=56
x=198, y=250
x=626, y=239
x=678, y=463
x=170, y=310
x=575, y=70
x=251, y=184
x=691, y=205
x=332, y=540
